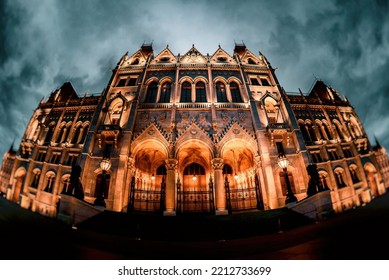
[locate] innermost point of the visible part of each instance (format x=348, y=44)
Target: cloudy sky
x=44, y=43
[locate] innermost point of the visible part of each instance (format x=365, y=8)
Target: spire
x=11, y=148
x=378, y=145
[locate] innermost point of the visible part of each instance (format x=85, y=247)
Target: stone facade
x=193, y=133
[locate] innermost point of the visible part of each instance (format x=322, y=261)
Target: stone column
x=217, y=164
x=170, y=195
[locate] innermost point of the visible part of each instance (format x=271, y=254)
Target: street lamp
x=105, y=165
x=283, y=162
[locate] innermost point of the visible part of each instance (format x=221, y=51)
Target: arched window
x=339, y=178
x=304, y=131
x=50, y=181
x=251, y=61
x=327, y=131
x=321, y=130
x=311, y=131
x=76, y=134
x=165, y=93
x=338, y=130
x=221, y=92
x=227, y=169
x=194, y=169
x=235, y=93
x=161, y=170
x=152, y=90
x=201, y=95
x=323, y=180
x=65, y=184
x=35, y=178
x=50, y=133
x=62, y=131
x=186, y=90
x=354, y=173
x=135, y=62
x=84, y=133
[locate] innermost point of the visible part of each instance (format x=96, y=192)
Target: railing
x=147, y=200
x=155, y=106
x=242, y=199
x=193, y=105
x=195, y=201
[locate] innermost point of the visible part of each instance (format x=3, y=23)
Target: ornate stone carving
x=217, y=163
x=171, y=163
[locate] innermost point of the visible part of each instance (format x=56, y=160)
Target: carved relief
x=206, y=125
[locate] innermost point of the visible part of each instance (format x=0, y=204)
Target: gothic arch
x=20, y=175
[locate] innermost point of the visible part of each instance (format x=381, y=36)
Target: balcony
x=278, y=128
x=108, y=133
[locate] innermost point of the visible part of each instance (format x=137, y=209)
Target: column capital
x=217, y=163
x=171, y=163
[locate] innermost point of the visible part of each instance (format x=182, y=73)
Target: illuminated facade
x=193, y=133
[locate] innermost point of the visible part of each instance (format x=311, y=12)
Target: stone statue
x=314, y=185
x=75, y=182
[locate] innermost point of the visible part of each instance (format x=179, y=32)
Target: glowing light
x=152, y=177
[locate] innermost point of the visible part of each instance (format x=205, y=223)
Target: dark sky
x=46, y=43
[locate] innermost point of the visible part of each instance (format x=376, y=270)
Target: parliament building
x=193, y=133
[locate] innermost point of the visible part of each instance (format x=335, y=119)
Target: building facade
x=188, y=133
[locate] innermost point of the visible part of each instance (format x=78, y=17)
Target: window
x=186, y=90
x=332, y=154
x=41, y=156
x=339, y=178
x=235, y=93
x=354, y=174
x=251, y=61
x=84, y=133
x=201, y=95
x=265, y=82
x=254, y=82
x=221, y=92
x=72, y=159
x=55, y=157
x=323, y=181
x=50, y=132
x=50, y=181
x=165, y=93
x=122, y=82
x=327, y=131
x=135, y=62
x=316, y=157
x=339, y=130
x=66, y=186
x=151, y=95
x=126, y=82
x=132, y=82
x=304, y=131
x=35, y=178
x=227, y=169
x=76, y=134
x=347, y=152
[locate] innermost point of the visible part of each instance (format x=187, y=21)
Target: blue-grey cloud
x=47, y=42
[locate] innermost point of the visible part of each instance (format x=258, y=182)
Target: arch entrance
x=147, y=189
x=240, y=179
x=195, y=188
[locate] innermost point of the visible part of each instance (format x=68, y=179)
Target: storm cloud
x=46, y=43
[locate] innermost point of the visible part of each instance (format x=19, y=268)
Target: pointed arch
x=152, y=91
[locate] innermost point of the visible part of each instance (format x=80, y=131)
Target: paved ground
x=355, y=235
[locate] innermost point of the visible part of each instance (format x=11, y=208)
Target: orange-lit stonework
x=192, y=133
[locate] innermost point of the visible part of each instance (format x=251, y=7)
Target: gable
x=193, y=56
x=165, y=56
x=221, y=56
